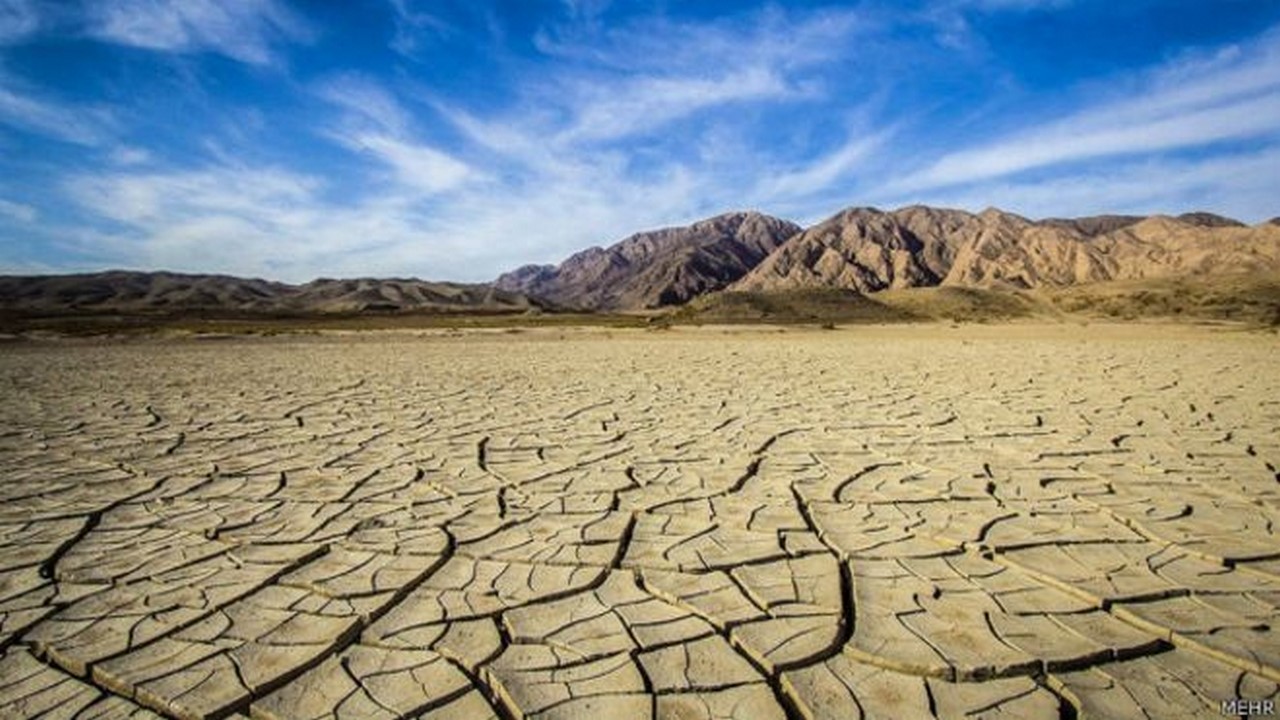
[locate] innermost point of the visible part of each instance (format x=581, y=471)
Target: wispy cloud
x=1240, y=185
x=483, y=137
x=563, y=156
x=414, y=24
x=18, y=211
x=787, y=40
x=648, y=103
x=612, y=86
x=998, y=5
x=374, y=123
x=129, y=155
x=247, y=220
x=823, y=173
x=266, y=221
x=70, y=122
x=418, y=167
x=1234, y=95
x=951, y=19
x=366, y=104
x=19, y=19
x=244, y=30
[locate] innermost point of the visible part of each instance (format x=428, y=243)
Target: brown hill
x=1253, y=299
x=867, y=250
x=369, y=294
x=174, y=293
x=656, y=269
x=817, y=305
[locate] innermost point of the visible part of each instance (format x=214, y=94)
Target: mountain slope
x=868, y=250
x=658, y=268
x=164, y=292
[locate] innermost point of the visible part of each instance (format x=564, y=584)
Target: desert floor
x=1014, y=521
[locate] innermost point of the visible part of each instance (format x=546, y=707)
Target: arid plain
x=1021, y=521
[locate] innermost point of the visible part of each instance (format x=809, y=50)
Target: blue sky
x=455, y=139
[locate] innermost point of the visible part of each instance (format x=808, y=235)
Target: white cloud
x=774, y=38
x=820, y=175
x=256, y=221
x=1239, y=185
x=18, y=211
x=1064, y=143
x=418, y=167
x=615, y=130
x=586, y=9
x=366, y=103
x=129, y=155
x=243, y=30
x=414, y=27
x=78, y=124
x=607, y=112
x=562, y=162
x=617, y=83
x=270, y=222
x=1235, y=96
x=950, y=19
x=153, y=197
x=1016, y=5
x=557, y=176
x=374, y=123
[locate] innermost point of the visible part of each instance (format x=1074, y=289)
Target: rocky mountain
x=164, y=292
x=868, y=250
x=658, y=268
x=862, y=250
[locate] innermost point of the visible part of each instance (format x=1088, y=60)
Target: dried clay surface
x=1020, y=522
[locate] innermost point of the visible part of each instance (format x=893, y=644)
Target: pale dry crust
x=718, y=522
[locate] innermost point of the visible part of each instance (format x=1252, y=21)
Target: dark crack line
x=49, y=568
x=837, y=495
x=1068, y=704
x=773, y=676
x=43, y=652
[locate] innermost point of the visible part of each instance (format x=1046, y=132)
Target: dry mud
x=897, y=523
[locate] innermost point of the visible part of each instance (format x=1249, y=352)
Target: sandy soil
x=1014, y=521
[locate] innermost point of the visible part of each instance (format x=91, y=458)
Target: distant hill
x=817, y=305
x=656, y=269
x=868, y=250
x=174, y=293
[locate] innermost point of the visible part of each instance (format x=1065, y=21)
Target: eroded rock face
x=868, y=250
x=658, y=268
x=891, y=524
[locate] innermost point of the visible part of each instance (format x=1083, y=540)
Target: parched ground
x=892, y=523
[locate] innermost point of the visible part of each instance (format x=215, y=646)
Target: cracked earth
x=881, y=523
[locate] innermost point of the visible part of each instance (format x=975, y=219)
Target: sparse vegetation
x=822, y=306
x=205, y=323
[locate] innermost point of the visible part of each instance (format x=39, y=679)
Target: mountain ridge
x=656, y=268
x=870, y=250
x=125, y=291
x=859, y=249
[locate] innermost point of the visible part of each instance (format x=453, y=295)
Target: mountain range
x=868, y=250
x=164, y=292
x=858, y=251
